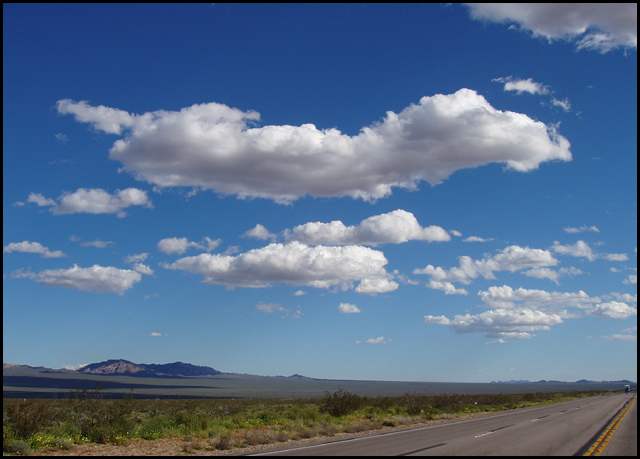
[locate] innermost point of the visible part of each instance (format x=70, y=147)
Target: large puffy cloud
x=598, y=26
x=394, y=227
x=499, y=323
x=212, y=146
x=94, y=201
x=513, y=258
x=32, y=247
x=96, y=278
x=295, y=264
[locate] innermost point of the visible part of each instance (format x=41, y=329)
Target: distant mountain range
x=121, y=367
x=183, y=380
x=168, y=370
x=542, y=381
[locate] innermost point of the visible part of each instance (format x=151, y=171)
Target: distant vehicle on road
x=627, y=388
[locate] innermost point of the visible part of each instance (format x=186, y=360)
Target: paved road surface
x=557, y=429
x=624, y=441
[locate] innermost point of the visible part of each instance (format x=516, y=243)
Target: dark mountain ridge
x=168, y=370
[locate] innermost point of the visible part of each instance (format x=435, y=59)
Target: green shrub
x=340, y=403
x=25, y=418
x=153, y=428
x=99, y=420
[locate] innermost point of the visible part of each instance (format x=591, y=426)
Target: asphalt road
x=624, y=441
x=556, y=429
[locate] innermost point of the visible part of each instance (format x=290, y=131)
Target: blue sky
x=386, y=192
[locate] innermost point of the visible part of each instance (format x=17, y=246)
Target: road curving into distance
x=568, y=428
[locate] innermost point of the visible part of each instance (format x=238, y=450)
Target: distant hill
x=543, y=381
x=168, y=370
x=183, y=380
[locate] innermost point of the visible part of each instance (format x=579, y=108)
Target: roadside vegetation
x=33, y=425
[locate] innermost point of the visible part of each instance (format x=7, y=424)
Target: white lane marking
x=445, y=424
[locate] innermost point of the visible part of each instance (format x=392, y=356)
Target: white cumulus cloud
x=596, y=26
x=259, y=232
x=519, y=313
x=347, y=308
x=583, y=228
x=32, y=247
x=513, y=258
x=582, y=250
x=500, y=323
x=394, y=227
x=378, y=340
x=520, y=85
x=213, y=146
x=179, y=245
x=93, y=201
x=294, y=263
x=96, y=278
x=614, y=310
x=506, y=297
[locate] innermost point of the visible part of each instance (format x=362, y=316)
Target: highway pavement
x=624, y=441
x=566, y=428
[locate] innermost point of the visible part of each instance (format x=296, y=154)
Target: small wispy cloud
x=346, y=308
x=477, y=239
x=582, y=229
x=259, y=232
x=179, y=245
x=271, y=308
x=97, y=243
x=582, y=250
x=629, y=334
x=564, y=104
x=522, y=86
x=379, y=340
x=529, y=86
